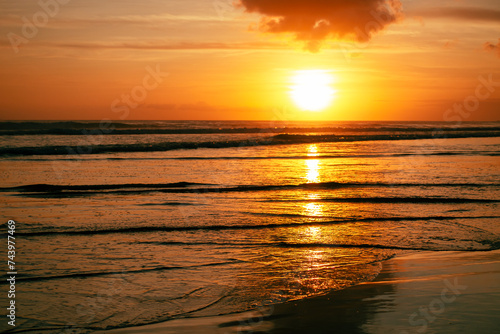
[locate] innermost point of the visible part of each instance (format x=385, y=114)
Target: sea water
x=122, y=224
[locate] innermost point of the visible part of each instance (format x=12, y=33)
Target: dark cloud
x=314, y=21
x=491, y=47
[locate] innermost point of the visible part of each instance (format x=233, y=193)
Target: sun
x=311, y=89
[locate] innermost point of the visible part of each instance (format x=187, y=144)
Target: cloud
x=490, y=47
x=10, y=20
x=157, y=45
x=461, y=13
x=314, y=21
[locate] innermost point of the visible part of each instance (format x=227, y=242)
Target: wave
x=62, y=191
x=57, y=188
x=492, y=245
x=290, y=157
x=168, y=204
x=280, y=139
x=121, y=272
x=241, y=127
x=393, y=200
x=149, y=229
x=371, y=200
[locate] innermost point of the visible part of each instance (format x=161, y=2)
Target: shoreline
x=423, y=292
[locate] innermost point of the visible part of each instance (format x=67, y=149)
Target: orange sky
x=93, y=59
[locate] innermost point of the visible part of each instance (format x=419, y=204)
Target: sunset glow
x=228, y=60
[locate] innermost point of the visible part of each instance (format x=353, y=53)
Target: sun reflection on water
x=313, y=166
x=313, y=209
x=310, y=278
x=315, y=258
x=312, y=175
x=312, y=150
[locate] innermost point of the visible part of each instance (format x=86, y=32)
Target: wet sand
x=425, y=292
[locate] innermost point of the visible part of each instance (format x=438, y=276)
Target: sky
x=395, y=60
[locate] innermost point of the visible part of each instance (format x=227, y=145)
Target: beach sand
x=425, y=292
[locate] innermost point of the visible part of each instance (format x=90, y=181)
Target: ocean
x=127, y=223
